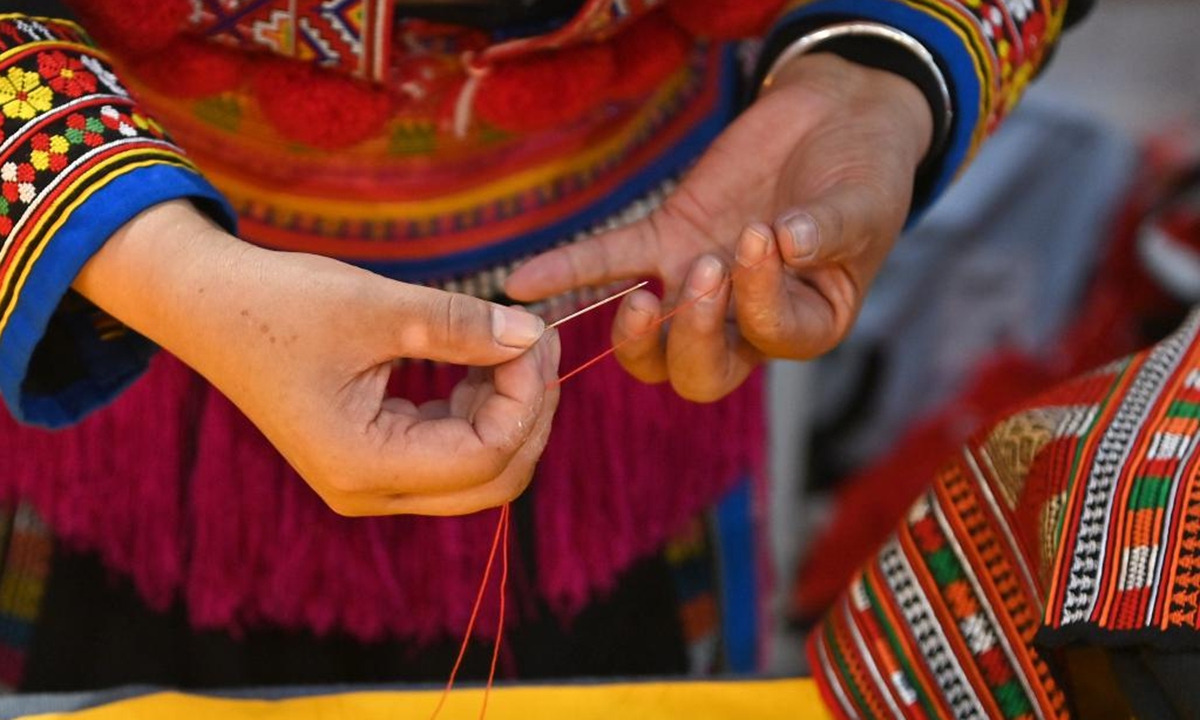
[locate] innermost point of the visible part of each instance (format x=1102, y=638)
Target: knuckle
x=485, y=465
x=686, y=207
x=831, y=222
x=766, y=334
x=514, y=484
x=448, y=318
x=340, y=484
x=457, y=317
x=581, y=262
x=641, y=369
x=414, y=333
x=880, y=215
x=344, y=506
x=498, y=461
x=493, y=466
x=696, y=392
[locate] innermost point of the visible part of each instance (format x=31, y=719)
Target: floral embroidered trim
x=69, y=126
x=22, y=94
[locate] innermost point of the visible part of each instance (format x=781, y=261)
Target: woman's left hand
x=827, y=156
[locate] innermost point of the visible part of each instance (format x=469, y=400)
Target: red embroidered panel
x=349, y=35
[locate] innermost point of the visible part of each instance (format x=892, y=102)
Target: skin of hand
x=304, y=345
x=797, y=203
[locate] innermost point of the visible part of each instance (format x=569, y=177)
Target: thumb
x=456, y=328
x=620, y=254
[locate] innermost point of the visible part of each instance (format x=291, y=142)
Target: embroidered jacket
x=428, y=152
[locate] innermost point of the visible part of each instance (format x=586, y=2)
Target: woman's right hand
x=303, y=345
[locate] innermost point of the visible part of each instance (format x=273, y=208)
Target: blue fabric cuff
x=953, y=57
x=90, y=363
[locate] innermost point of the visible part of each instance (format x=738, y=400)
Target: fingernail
x=754, y=247
x=804, y=235
x=641, y=305
x=516, y=328
x=707, y=276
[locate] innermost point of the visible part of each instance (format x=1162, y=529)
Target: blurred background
x=1034, y=266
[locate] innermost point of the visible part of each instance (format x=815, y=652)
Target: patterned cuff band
x=883, y=47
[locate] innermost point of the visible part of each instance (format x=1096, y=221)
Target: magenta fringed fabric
x=175, y=488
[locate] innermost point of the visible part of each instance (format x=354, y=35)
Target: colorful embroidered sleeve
x=986, y=50
x=77, y=160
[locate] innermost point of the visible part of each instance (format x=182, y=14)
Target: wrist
x=159, y=275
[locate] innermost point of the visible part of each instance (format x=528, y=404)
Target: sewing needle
x=597, y=304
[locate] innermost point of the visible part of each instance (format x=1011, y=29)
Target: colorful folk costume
x=429, y=148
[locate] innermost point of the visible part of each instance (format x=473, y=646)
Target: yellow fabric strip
x=760, y=699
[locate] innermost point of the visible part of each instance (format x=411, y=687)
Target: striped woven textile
x=1074, y=519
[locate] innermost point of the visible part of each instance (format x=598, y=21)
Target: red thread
x=487, y=690
x=654, y=325
x=501, y=530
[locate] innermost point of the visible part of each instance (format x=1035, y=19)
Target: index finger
x=620, y=254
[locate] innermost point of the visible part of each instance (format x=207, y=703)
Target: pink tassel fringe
x=173, y=487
